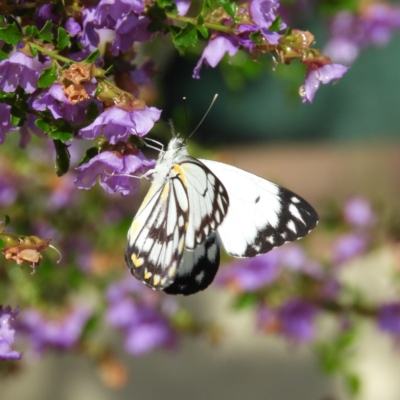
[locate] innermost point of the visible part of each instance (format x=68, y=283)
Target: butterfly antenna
x=205, y=115
x=171, y=125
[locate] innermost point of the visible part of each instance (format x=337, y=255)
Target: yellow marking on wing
x=147, y=275
x=163, y=280
x=186, y=225
x=181, y=245
x=179, y=170
x=171, y=272
x=137, y=262
x=147, y=198
x=164, y=194
x=156, y=279
x=135, y=227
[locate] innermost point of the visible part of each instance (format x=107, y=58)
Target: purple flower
x=129, y=29
x=109, y=12
x=389, y=318
x=182, y=6
x=90, y=35
x=45, y=13
x=133, y=308
x=72, y=27
x=60, y=106
x=8, y=191
x=349, y=246
x=215, y=50
x=297, y=320
x=263, y=13
x=351, y=33
x=324, y=74
x=109, y=165
x=251, y=274
x=117, y=124
x=50, y=333
x=7, y=333
x=5, y=122
x=20, y=70
x=358, y=212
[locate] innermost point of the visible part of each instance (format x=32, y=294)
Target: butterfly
x=193, y=206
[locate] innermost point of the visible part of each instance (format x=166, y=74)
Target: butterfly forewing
x=262, y=215
x=208, y=201
x=157, y=235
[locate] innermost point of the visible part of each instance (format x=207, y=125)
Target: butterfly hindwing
x=198, y=268
x=157, y=234
x=261, y=215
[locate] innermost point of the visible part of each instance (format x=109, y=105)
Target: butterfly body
x=195, y=205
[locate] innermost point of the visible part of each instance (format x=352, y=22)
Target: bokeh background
x=344, y=144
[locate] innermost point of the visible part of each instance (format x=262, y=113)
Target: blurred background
x=345, y=144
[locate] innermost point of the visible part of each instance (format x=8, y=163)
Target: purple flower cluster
x=7, y=334
x=44, y=333
x=374, y=25
x=137, y=312
x=357, y=213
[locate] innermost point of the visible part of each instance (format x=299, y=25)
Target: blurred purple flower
x=324, y=74
x=358, y=212
x=46, y=13
x=389, y=318
x=251, y=274
x=349, y=246
x=215, y=50
x=350, y=33
x=20, y=70
x=117, y=124
x=46, y=333
x=28, y=128
x=109, y=165
x=72, y=27
x=297, y=320
x=130, y=29
x=55, y=100
x=7, y=333
x=182, y=6
x=8, y=190
x=144, y=327
x=110, y=12
x=5, y=122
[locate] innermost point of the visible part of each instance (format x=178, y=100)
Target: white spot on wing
x=295, y=200
x=295, y=212
x=292, y=226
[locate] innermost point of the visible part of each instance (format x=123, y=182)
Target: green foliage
x=276, y=25
x=11, y=34
x=57, y=130
x=90, y=153
x=185, y=37
x=46, y=33
x=48, y=77
x=246, y=300
x=63, y=39
x=92, y=57
x=62, y=158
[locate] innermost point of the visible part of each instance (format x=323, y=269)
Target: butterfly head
x=176, y=143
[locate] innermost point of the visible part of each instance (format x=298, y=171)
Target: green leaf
x=203, y=30
x=157, y=17
x=92, y=112
x=256, y=37
x=11, y=34
x=230, y=7
x=32, y=31
x=353, y=383
x=245, y=300
x=3, y=56
x=6, y=221
x=62, y=157
x=48, y=77
x=46, y=32
x=185, y=37
x=63, y=39
x=33, y=50
x=61, y=134
x=44, y=125
x=90, y=153
x=165, y=3
x=92, y=57
x=276, y=25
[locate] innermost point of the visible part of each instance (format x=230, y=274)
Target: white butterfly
x=194, y=205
